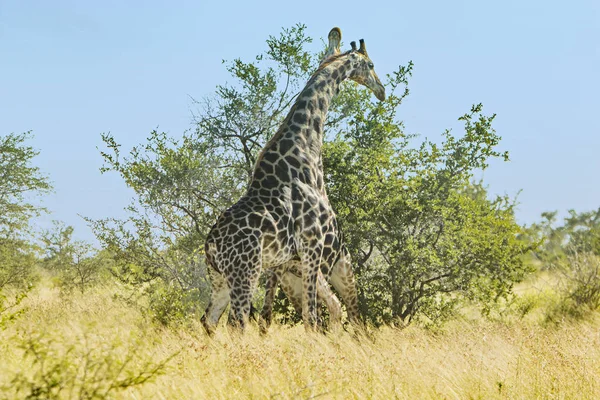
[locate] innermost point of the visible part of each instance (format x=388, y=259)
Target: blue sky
x=70, y=70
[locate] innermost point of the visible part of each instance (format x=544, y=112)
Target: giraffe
x=289, y=275
x=285, y=215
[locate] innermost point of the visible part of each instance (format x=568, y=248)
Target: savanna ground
x=96, y=345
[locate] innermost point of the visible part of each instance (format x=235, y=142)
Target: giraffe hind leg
x=342, y=279
x=325, y=294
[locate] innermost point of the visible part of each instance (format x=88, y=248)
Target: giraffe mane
x=279, y=132
x=329, y=61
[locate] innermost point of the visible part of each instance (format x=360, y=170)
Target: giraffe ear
x=333, y=48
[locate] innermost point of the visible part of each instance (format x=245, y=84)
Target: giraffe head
x=363, y=71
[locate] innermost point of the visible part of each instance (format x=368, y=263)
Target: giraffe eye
x=371, y=65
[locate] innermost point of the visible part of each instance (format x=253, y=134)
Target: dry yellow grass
x=469, y=359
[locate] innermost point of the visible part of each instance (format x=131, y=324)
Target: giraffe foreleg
x=324, y=293
x=218, y=301
x=311, y=261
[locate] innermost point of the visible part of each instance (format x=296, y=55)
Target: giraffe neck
x=299, y=140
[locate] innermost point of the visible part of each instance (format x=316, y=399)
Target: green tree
x=20, y=183
x=549, y=238
x=583, y=231
x=20, y=180
x=181, y=186
x=239, y=119
x=423, y=237
x=579, y=233
x=75, y=262
x=572, y=250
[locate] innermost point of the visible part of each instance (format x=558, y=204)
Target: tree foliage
x=422, y=235
x=76, y=264
x=20, y=180
x=572, y=250
x=579, y=233
x=20, y=183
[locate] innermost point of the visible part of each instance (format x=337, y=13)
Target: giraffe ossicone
x=285, y=215
x=333, y=48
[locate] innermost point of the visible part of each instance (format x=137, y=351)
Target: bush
x=170, y=304
x=579, y=287
x=423, y=236
x=17, y=262
x=582, y=280
x=9, y=306
x=75, y=264
x=89, y=368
